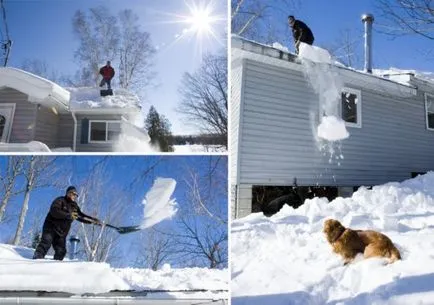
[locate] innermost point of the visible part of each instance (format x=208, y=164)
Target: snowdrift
x=18, y=272
x=285, y=259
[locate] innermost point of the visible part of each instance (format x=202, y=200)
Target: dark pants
x=308, y=40
x=51, y=238
x=106, y=81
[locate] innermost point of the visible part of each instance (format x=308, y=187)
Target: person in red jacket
x=107, y=73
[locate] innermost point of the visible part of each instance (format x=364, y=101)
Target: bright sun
x=200, y=20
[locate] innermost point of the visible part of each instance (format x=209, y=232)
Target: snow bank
x=285, y=259
x=89, y=97
x=196, y=148
x=157, y=202
x=33, y=146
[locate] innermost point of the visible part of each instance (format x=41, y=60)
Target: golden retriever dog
x=348, y=243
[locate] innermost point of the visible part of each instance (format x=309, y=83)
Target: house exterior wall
x=83, y=145
x=23, y=125
x=46, y=127
x=65, y=134
x=279, y=118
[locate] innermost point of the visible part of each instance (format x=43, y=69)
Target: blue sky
x=328, y=18
x=124, y=179
x=42, y=29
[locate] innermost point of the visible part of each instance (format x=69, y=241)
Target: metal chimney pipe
x=368, y=19
x=74, y=240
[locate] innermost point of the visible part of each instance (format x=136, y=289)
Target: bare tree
x=103, y=37
x=40, y=68
x=155, y=249
x=203, y=222
x=256, y=19
x=408, y=17
x=135, y=53
x=98, y=34
x=105, y=202
x=38, y=172
x=346, y=48
x=205, y=99
x=8, y=180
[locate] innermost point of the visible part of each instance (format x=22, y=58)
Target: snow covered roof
x=20, y=273
x=40, y=90
x=280, y=56
x=405, y=76
x=88, y=99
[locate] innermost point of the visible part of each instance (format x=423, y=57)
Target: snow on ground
x=285, y=259
x=19, y=272
x=157, y=202
x=89, y=97
x=325, y=80
x=197, y=148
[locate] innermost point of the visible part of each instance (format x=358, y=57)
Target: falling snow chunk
x=314, y=54
x=332, y=129
x=158, y=204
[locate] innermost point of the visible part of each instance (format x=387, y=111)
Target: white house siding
x=47, y=126
x=23, y=126
x=279, y=112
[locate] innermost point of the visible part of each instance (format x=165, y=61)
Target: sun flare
x=200, y=20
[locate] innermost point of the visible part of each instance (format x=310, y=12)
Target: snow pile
x=175, y=279
x=32, y=146
x=325, y=80
x=332, y=129
x=19, y=272
x=285, y=259
x=89, y=97
x=157, y=202
x=133, y=139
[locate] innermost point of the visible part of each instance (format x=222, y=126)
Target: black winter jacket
x=302, y=32
x=59, y=218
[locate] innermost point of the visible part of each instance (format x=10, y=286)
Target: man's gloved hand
x=74, y=215
x=98, y=222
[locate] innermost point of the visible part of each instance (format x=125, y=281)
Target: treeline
x=202, y=139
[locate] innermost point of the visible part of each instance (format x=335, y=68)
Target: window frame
x=426, y=110
x=106, y=130
x=358, y=93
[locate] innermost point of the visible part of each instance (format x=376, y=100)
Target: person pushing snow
x=63, y=211
x=301, y=32
x=107, y=73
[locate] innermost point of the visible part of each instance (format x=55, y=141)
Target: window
x=351, y=107
x=2, y=125
x=104, y=131
x=429, y=109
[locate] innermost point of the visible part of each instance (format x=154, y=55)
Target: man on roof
x=301, y=32
x=107, y=73
x=63, y=211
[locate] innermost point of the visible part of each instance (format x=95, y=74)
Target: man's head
x=108, y=63
x=291, y=20
x=71, y=193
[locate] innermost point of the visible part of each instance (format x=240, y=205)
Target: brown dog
x=348, y=243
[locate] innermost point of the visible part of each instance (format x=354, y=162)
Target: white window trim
x=106, y=130
x=14, y=106
x=426, y=110
x=359, y=106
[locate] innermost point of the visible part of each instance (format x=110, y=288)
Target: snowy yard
x=285, y=259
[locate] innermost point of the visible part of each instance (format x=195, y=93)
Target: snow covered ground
x=285, y=259
x=19, y=272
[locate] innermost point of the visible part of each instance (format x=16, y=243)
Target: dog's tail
x=394, y=255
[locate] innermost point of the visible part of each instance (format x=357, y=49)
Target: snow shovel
x=124, y=230
x=121, y=230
